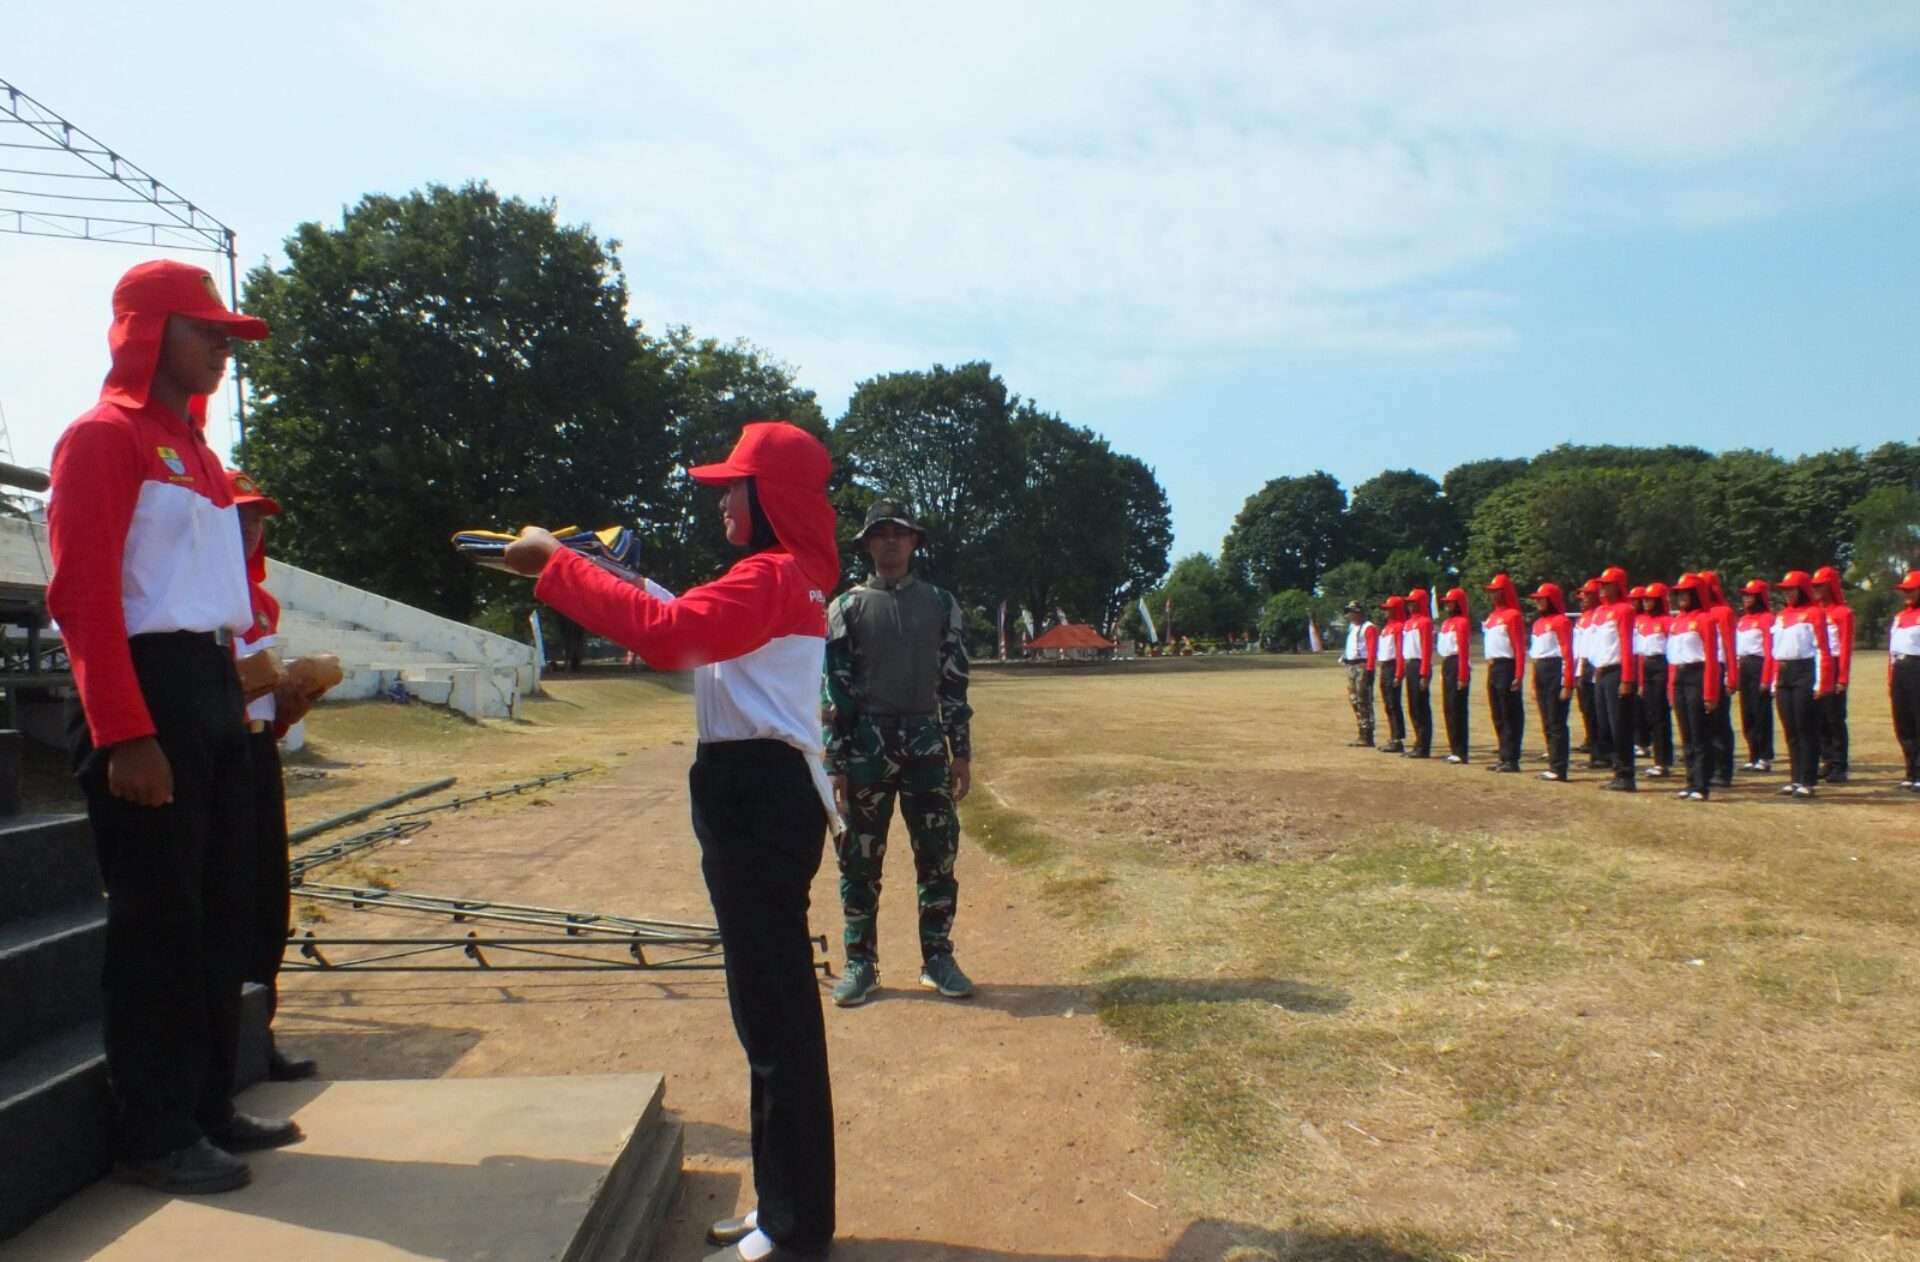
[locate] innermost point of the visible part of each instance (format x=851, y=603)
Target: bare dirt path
x=1002, y=1128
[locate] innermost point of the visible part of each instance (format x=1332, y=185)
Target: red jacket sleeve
x=1426, y=649
x=727, y=618
x=1710, y=678
x=1623, y=620
x=1563, y=631
x=1825, y=650
x=1372, y=638
x=1843, y=631
x=97, y=475
x=1463, y=636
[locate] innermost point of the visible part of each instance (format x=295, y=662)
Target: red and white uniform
x=1799, y=634
x=1452, y=639
x=1387, y=646
x=1505, y=628
x=1416, y=640
x=1694, y=637
x=1650, y=635
x=1903, y=636
x=1840, y=639
x=1753, y=637
x=157, y=549
x=1609, y=641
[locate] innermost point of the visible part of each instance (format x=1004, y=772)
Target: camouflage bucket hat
x=889, y=512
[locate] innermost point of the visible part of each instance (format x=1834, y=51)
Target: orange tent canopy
x=1071, y=635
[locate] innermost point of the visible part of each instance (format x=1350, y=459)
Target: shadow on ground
x=1060, y=1001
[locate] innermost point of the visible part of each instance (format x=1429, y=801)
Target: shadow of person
x=1208, y=1240
x=1064, y=1000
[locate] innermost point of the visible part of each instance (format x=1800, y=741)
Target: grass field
x=1475, y=1015
x=1434, y=1012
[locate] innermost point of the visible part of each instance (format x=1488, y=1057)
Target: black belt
x=222, y=637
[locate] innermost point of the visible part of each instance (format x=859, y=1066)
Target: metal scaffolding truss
x=57, y=180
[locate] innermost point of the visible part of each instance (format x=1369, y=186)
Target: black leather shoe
x=246, y=1133
x=1620, y=786
x=196, y=1170
x=730, y=1230
x=284, y=1068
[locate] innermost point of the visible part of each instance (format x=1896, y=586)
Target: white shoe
x=1696, y=797
x=1551, y=775
x=1906, y=784
x=1788, y=790
x=1455, y=759
x=1802, y=791
x=1763, y=765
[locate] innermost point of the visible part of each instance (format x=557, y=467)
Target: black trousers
x=1390, y=702
x=272, y=901
x=178, y=882
x=1833, y=732
x=1720, y=737
x=1799, y=718
x=1690, y=706
x=1613, y=720
x=1756, y=709
x=1508, y=706
x=1453, y=706
x=762, y=831
x=1420, y=709
x=1589, y=725
x=1906, y=711
x=1656, y=716
x=1547, y=680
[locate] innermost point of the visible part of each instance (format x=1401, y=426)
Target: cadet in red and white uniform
x=1713, y=599
x=1656, y=706
x=1550, y=647
x=1391, y=671
x=1802, y=675
x=1753, y=643
x=1453, y=644
x=149, y=588
x=1903, y=677
x=762, y=804
x=1503, y=637
x=1694, y=681
x=1598, y=755
x=1831, y=592
x=1616, y=675
x=1416, y=668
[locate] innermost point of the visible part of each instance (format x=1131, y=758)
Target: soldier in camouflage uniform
x=896, y=718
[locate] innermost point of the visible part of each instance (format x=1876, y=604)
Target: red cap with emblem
x=246, y=491
x=143, y=300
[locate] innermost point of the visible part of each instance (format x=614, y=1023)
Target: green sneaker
x=859, y=981
x=942, y=974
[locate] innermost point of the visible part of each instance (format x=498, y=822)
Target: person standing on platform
x=1656, y=705
x=1502, y=636
x=1903, y=677
x=1720, y=718
x=1616, y=675
x=1391, y=669
x=898, y=727
x=756, y=640
x=1802, y=675
x=1453, y=645
x=1693, y=681
x=1598, y=755
x=149, y=587
x=1416, y=665
x=268, y=715
x=1831, y=592
x=1550, y=647
x=1359, y=657
x=1753, y=644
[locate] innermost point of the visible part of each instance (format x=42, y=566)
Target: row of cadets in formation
x=1636, y=660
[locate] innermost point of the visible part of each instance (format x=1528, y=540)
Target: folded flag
x=614, y=548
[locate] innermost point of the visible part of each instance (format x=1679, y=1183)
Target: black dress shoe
x=731, y=1230
x=195, y=1170
x=1418, y=754
x=246, y=1133
x=1620, y=786
x=284, y=1068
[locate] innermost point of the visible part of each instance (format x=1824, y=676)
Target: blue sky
x=1240, y=240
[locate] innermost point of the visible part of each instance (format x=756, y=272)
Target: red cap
x=168, y=288
x=1796, y=578
x=1546, y=591
x=1615, y=575
x=1638, y=593
x=1911, y=583
x=1826, y=575
x=1394, y=602
x=247, y=491
x=1455, y=596
x=1656, y=591
x=1590, y=587
x=1500, y=580
x=1688, y=583
x=775, y=451
x=1756, y=587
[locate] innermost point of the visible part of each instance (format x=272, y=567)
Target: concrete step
x=46, y=865
x=579, y=1169
x=50, y=974
x=54, y=1124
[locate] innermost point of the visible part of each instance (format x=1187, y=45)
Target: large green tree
x=1286, y=534
x=1401, y=509
x=447, y=359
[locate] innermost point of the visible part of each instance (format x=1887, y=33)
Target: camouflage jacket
x=894, y=650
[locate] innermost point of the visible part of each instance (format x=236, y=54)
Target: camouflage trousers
x=907, y=761
x=1360, y=697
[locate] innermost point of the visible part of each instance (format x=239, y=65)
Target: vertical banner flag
x=1003, y=630
x=1313, y=635
x=1153, y=632
x=1026, y=620
x=1168, y=615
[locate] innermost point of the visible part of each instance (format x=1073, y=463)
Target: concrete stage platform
x=575, y=1169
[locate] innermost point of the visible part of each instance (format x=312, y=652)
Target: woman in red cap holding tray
x=1656, y=704
x=1903, y=677
x=1392, y=673
x=1831, y=592
x=1453, y=644
x=1504, y=637
x=1693, y=681
x=1753, y=644
x=756, y=637
x=1551, y=650
x=1802, y=674
x=149, y=587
